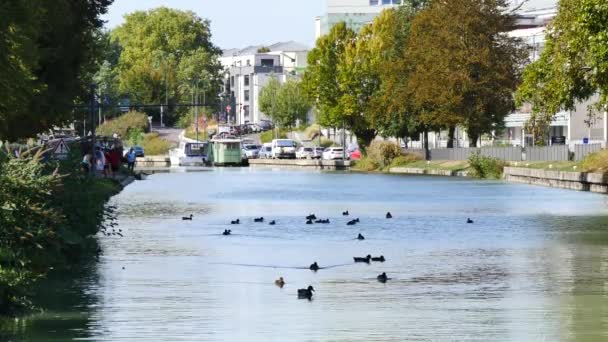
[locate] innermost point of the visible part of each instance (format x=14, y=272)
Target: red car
x=355, y=155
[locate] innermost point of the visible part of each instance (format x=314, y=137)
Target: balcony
x=267, y=69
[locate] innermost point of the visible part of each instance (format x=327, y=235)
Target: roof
x=290, y=46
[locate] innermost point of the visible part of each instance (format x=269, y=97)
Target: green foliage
x=595, y=162
x=573, y=66
x=167, y=51
x=311, y=132
x=464, y=67
x=263, y=49
x=47, y=220
x=365, y=164
x=268, y=136
x=486, y=167
x=383, y=152
x=49, y=50
x=124, y=124
x=285, y=104
x=154, y=145
x=325, y=142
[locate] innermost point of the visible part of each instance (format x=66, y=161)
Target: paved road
x=168, y=133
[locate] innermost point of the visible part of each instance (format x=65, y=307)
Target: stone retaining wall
x=301, y=163
x=581, y=181
x=154, y=161
x=432, y=172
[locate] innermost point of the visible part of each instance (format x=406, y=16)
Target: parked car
x=251, y=151
x=354, y=155
x=305, y=153
x=139, y=151
x=265, y=151
x=332, y=153
x=266, y=125
x=318, y=152
x=283, y=148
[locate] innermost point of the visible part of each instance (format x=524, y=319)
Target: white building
x=248, y=71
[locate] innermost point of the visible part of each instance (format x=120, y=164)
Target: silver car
x=251, y=151
x=265, y=152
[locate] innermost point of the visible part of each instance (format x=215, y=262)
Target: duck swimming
x=272, y=223
x=311, y=217
x=388, y=215
x=351, y=223
x=345, y=213
x=309, y=222
x=188, y=218
x=280, y=282
x=470, y=221
x=360, y=237
x=237, y=221
x=261, y=219
x=227, y=232
x=379, y=259
x=322, y=221
x=366, y=259
x=382, y=278
x=314, y=267
x=305, y=293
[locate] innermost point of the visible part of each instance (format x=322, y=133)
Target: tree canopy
x=50, y=51
x=573, y=66
x=166, y=52
x=285, y=104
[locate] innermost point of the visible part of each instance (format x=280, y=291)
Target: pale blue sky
x=239, y=23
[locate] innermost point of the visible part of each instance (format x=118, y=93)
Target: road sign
x=585, y=141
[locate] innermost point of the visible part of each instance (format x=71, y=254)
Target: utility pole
x=93, y=168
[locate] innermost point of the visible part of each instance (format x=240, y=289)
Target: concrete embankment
x=581, y=181
x=154, y=161
x=301, y=163
x=431, y=172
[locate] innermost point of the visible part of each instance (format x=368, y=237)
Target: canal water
x=532, y=267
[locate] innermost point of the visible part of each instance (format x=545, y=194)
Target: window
x=246, y=95
x=246, y=80
x=248, y=63
x=373, y=2
x=232, y=81
x=386, y=2
x=246, y=111
x=267, y=62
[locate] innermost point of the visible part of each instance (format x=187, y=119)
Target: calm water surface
x=533, y=267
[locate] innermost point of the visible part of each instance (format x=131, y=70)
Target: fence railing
x=540, y=153
x=582, y=151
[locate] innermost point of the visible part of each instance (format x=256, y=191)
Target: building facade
x=248, y=70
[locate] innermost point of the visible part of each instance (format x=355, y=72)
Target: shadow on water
x=68, y=303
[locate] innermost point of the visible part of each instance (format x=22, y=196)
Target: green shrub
x=311, y=132
x=268, y=136
x=123, y=124
x=326, y=143
x=154, y=145
x=405, y=159
x=595, y=162
x=365, y=164
x=383, y=152
x=486, y=167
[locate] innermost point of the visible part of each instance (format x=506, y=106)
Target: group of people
x=107, y=161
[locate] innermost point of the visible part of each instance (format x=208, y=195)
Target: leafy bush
x=135, y=136
x=311, y=132
x=383, y=152
x=49, y=214
x=365, y=164
x=486, y=167
x=123, y=124
x=154, y=145
x=268, y=136
x=595, y=162
x=325, y=142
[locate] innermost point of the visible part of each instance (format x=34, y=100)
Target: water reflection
x=531, y=268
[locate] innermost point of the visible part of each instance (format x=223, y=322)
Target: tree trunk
x=473, y=137
x=427, y=152
x=451, y=133
x=364, y=138
x=404, y=142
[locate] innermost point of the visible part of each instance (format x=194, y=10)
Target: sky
x=239, y=23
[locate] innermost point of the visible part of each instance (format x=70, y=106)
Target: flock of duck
x=307, y=293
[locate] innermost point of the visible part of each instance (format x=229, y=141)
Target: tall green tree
x=167, y=53
x=321, y=81
x=49, y=53
x=285, y=104
x=572, y=68
x=465, y=67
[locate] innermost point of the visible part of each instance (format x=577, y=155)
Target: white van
x=283, y=148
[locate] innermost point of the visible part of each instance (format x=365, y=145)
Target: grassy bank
x=50, y=213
